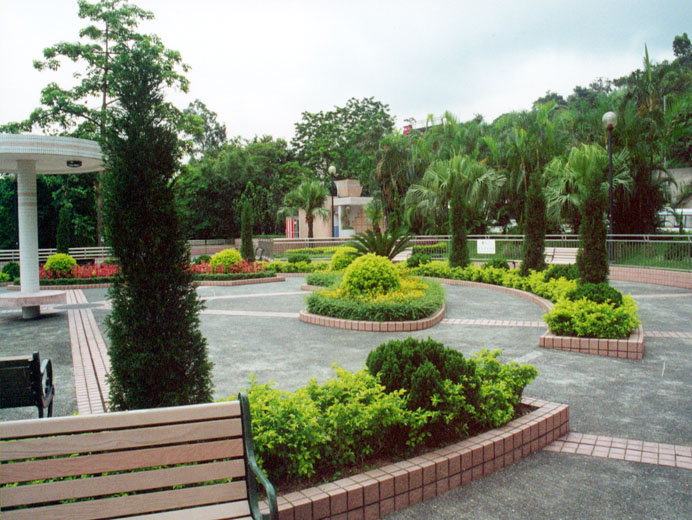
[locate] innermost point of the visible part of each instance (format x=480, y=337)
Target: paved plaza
x=617, y=407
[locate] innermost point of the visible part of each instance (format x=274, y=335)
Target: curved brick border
x=650, y=275
x=200, y=283
x=541, y=302
x=374, y=326
x=377, y=493
x=630, y=348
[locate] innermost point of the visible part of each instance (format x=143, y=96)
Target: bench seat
x=167, y=463
x=561, y=255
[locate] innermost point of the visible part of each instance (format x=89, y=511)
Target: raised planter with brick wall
x=381, y=491
x=373, y=326
x=630, y=348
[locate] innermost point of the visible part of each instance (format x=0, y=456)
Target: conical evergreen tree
x=247, y=250
x=158, y=355
x=592, y=257
x=534, y=227
x=63, y=237
x=458, y=252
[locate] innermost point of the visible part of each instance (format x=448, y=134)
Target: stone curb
x=381, y=491
x=630, y=348
x=541, y=302
x=374, y=326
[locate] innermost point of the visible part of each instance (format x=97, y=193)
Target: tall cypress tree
x=592, y=256
x=64, y=234
x=158, y=355
x=458, y=252
x=534, y=228
x=247, y=251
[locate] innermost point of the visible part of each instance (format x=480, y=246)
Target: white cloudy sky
x=260, y=64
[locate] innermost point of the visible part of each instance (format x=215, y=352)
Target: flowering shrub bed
x=82, y=272
x=327, y=427
x=581, y=317
x=241, y=266
x=373, y=289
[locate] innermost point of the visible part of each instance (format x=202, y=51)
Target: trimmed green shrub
x=596, y=292
x=299, y=267
x=498, y=262
x=555, y=271
x=11, y=269
x=342, y=258
x=592, y=256
x=60, y=264
x=370, y=275
x=4, y=277
x=588, y=319
x=324, y=427
x=434, y=250
x=328, y=279
x=232, y=276
x=417, y=259
x=314, y=251
x=421, y=300
x=458, y=247
x=226, y=258
x=299, y=257
x=202, y=258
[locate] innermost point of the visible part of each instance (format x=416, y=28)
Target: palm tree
x=429, y=200
x=310, y=197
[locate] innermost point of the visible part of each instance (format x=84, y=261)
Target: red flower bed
x=241, y=267
x=80, y=271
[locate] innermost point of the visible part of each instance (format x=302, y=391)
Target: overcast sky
x=260, y=64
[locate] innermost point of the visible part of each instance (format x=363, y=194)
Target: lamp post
x=332, y=171
x=610, y=120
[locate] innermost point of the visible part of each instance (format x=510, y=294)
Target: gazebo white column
x=27, y=156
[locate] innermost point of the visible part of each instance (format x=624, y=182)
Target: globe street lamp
x=332, y=171
x=610, y=119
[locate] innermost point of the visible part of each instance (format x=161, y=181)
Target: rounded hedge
x=11, y=269
x=202, y=258
x=370, y=275
x=226, y=258
x=342, y=258
x=60, y=262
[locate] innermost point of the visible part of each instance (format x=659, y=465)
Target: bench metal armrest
x=252, y=471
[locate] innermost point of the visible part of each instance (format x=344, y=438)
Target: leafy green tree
x=309, y=196
x=247, y=250
x=429, y=199
x=64, y=236
x=111, y=32
x=158, y=355
x=8, y=212
x=534, y=228
x=347, y=137
x=458, y=249
x=207, y=133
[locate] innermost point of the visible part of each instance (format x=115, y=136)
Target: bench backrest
x=184, y=457
x=20, y=381
x=561, y=255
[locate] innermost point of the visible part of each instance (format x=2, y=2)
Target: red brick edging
x=630, y=348
x=373, y=326
x=377, y=493
x=197, y=283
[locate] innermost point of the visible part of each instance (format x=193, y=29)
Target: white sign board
x=486, y=247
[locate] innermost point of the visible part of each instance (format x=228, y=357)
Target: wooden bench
x=561, y=255
x=179, y=463
x=22, y=383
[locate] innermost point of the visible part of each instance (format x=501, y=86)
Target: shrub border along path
x=630, y=348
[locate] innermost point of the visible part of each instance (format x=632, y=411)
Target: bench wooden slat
x=122, y=439
x=142, y=503
x=120, y=461
x=120, y=483
x=118, y=420
x=215, y=512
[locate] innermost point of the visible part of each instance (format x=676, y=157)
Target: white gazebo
x=28, y=156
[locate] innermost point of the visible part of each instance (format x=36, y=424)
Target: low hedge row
x=297, y=267
x=582, y=318
x=312, y=251
x=198, y=277
x=325, y=428
x=439, y=249
x=326, y=279
x=415, y=301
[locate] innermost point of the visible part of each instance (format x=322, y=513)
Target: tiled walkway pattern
x=494, y=323
x=89, y=357
x=624, y=449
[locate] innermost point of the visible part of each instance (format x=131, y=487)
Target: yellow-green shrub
x=60, y=264
x=342, y=258
x=370, y=275
x=226, y=258
x=588, y=319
